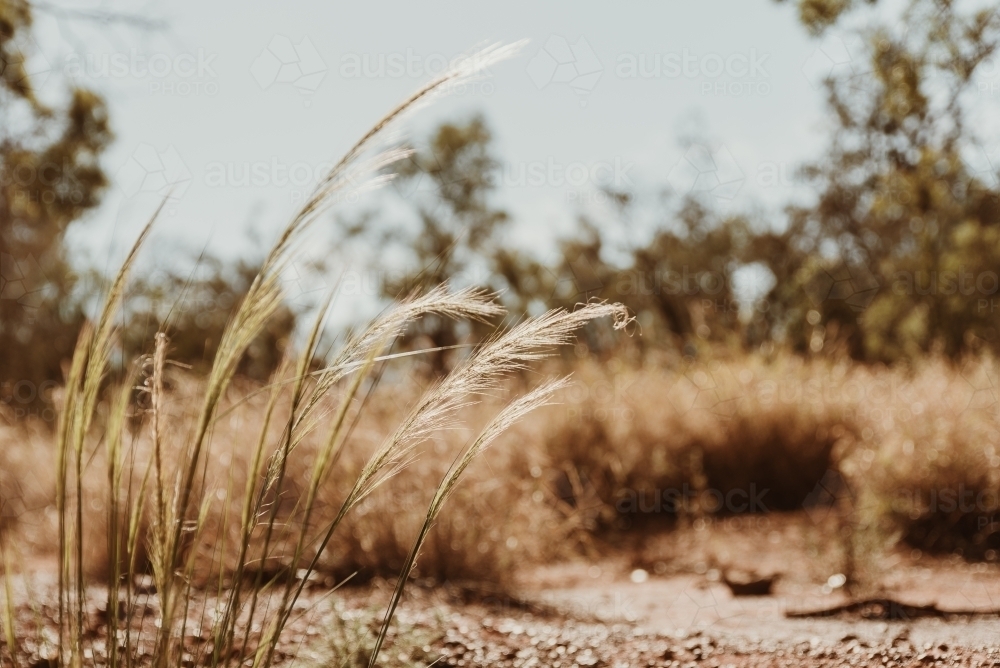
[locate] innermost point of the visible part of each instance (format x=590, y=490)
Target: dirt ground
x=660, y=600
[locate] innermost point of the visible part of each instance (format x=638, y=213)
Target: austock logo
x=283, y=62
x=684, y=499
x=707, y=170
x=419, y=185
x=603, y=399
x=983, y=164
x=24, y=53
x=839, y=60
x=710, y=388
x=988, y=77
x=733, y=74
x=302, y=287
x=150, y=171
x=44, y=182
x=25, y=400
x=850, y=282
x=844, y=57
x=559, y=62
x=700, y=607
x=410, y=64
x=23, y=281
x=181, y=74
x=983, y=389
x=573, y=277
x=690, y=65
x=553, y=173
x=830, y=496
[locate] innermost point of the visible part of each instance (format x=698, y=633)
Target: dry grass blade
x=67, y=425
x=9, y=608
x=276, y=468
x=177, y=513
x=513, y=412
x=225, y=629
x=87, y=371
x=321, y=466
x=115, y=468
x=479, y=374
x=264, y=294
x=363, y=349
x=468, y=303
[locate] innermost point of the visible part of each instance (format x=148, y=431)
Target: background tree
x=896, y=255
x=49, y=176
x=900, y=252
x=458, y=231
x=679, y=283
x=193, y=309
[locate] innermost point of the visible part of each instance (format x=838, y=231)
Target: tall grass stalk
x=115, y=519
x=513, y=412
x=8, y=619
x=87, y=373
x=171, y=525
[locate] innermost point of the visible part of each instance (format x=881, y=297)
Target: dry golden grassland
x=911, y=452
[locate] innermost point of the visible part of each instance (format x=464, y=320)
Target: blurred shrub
x=193, y=311
x=471, y=545
x=725, y=437
x=49, y=176
x=936, y=468
x=452, y=235
x=896, y=257
x=893, y=259
x=886, y=455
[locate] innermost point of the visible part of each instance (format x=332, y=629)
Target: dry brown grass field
x=525, y=407
x=908, y=453
x=845, y=482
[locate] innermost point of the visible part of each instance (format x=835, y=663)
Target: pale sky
x=602, y=91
